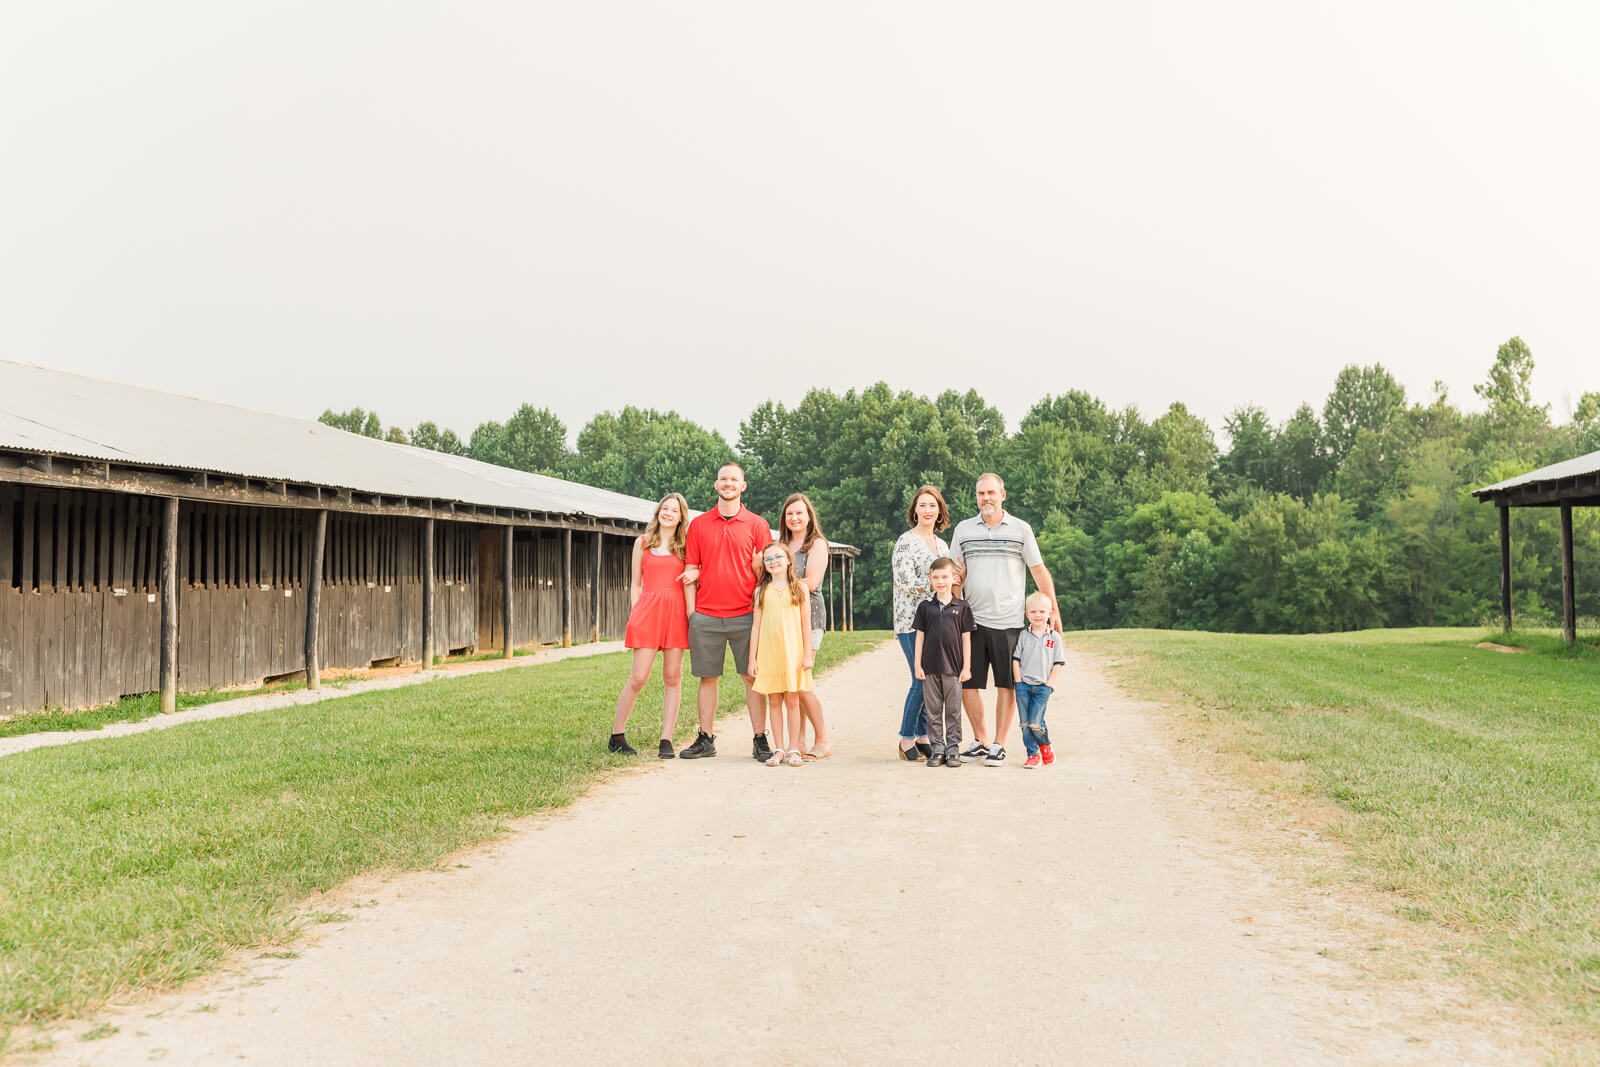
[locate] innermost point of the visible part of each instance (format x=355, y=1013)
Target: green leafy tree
x=1071, y=454
x=1302, y=467
x=356, y=420
x=531, y=440
x=428, y=435
x=1363, y=398
x=1139, y=548
x=1199, y=590
x=1336, y=584
x=1422, y=518
x=647, y=453
x=1367, y=475
x=1180, y=456
x=1074, y=563
x=1514, y=428
x=1256, y=553
x=1252, y=457
x=1586, y=425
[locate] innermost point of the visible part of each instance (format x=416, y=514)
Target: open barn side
x=80, y=584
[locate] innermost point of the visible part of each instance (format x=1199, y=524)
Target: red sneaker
x=1031, y=762
x=1048, y=753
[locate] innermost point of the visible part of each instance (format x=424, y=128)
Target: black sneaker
x=936, y=759
x=665, y=750
x=760, y=749
x=952, y=759
x=976, y=752
x=704, y=745
x=619, y=745
x=996, y=757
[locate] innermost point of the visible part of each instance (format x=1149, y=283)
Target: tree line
x=1357, y=514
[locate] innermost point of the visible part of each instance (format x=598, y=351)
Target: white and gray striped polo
x=997, y=563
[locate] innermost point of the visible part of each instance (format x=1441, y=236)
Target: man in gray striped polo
x=996, y=551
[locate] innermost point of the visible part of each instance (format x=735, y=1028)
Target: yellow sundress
x=780, y=646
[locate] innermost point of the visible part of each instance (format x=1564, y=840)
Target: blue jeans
x=1031, y=700
x=914, y=716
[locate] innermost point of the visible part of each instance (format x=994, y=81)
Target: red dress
x=661, y=618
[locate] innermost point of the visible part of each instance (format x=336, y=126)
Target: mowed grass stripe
x=136, y=862
x=1471, y=777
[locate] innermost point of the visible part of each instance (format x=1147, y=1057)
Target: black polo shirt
x=942, y=626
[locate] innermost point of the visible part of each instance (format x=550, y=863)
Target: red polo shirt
x=722, y=548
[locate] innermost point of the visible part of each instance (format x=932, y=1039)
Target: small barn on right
x=1572, y=483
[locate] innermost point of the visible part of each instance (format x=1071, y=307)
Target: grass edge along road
x=1464, y=778
x=142, y=706
x=137, y=863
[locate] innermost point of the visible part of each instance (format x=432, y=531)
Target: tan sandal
x=817, y=754
x=795, y=757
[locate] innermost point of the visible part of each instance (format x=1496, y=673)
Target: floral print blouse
x=911, y=562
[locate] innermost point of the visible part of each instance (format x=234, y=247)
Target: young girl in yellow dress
x=780, y=649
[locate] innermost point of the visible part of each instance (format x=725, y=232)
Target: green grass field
x=1471, y=777
x=137, y=862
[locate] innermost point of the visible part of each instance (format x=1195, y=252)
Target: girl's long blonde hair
x=797, y=592
x=652, y=532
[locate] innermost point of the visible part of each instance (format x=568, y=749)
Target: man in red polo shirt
x=722, y=546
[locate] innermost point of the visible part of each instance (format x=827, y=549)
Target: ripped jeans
x=1031, y=700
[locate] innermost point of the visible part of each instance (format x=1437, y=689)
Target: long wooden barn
x=154, y=542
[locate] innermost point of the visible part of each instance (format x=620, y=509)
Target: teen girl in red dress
x=659, y=620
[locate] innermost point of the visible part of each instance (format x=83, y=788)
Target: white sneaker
x=996, y=757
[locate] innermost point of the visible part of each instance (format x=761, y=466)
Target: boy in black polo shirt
x=943, y=656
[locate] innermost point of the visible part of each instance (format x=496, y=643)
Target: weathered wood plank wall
x=455, y=588
x=78, y=613
x=79, y=584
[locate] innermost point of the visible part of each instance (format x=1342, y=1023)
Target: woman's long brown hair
x=813, y=527
x=652, y=532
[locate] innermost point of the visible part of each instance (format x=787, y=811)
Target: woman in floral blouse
x=914, y=552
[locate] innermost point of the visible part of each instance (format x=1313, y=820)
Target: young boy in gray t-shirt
x=1036, y=665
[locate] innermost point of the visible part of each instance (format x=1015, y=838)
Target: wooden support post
x=169, y=607
x=319, y=542
x=428, y=639
x=850, y=597
x=506, y=608
x=566, y=589
x=594, y=589
x=1505, y=568
x=1569, y=607
x=833, y=613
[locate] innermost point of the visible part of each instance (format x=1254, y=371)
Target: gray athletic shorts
x=711, y=637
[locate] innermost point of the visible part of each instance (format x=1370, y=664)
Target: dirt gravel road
x=859, y=910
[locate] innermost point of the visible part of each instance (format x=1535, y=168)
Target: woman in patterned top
x=914, y=553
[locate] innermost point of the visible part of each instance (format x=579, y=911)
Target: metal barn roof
x=1577, y=474
x=56, y=413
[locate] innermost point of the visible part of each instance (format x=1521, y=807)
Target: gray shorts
x=711, y=637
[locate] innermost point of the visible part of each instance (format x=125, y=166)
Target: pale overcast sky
x=444, y=210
